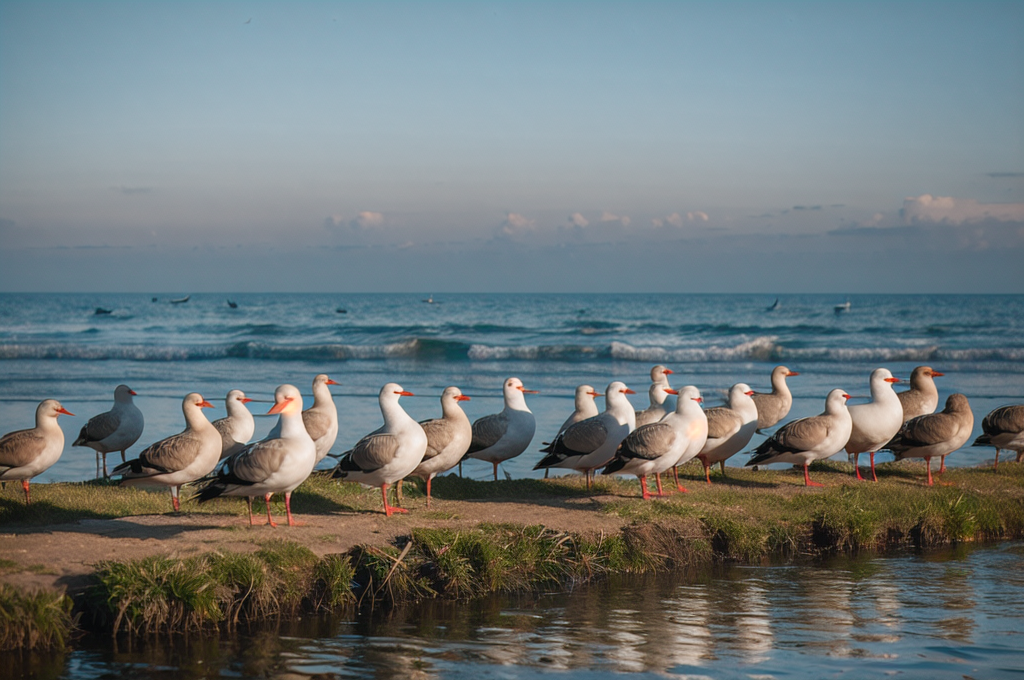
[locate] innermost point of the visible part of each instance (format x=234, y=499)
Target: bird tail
x=614, y=466
x=762, y=453
x=81, y=437
x=344, y=467
x=212, y=490
x=983, y=440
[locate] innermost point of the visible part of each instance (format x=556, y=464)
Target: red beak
x=749, y=393
x=846, y=396
x=936, y=374
x=279, y=406
x=699, y=400
x=331, y=382
x=669, y=371
x=628, y=391
x=892, y=380
x=791, y=374
x=65, y=411
x=205, y=404
x=671, y=391
x=462, y=397
x=595, y=394
x=133, y=393
x=245, y=400
x=526, y=391
x=404, y=393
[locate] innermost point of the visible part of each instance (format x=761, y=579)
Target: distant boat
x=845, y=307
x=100, y=311
x=154, y=299
x=340, y=310
x=232, y=304
x=773, y=306
x=430, y=300
x=180, y=301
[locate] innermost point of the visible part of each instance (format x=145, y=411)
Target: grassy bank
x=748, y=517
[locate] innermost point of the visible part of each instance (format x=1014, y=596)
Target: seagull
x=875, y=423
x=24, y=454
x=586, y=407
x=922, y=398
x=115, y=430
x=390, y=452
x=591, y=443
x=320, y=419
x=729, y=429
x=808, y=439
x=658, y=393
x=774, y=406
x=179, y=459
x=501, y=436
x=935, y=434
x=1004, y=429
x=237, y=428
x=448, y=439
x=277, y=464
x=656, y=447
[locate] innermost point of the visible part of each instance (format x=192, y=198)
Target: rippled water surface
x=956, y=614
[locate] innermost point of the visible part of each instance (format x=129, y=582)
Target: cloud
x=697, y=216
x=364, y=221
x=947, y=210
x=677, y=220
x=577, y=220
x=612, y=217
x=516, y=224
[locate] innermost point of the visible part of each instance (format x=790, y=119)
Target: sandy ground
x=62, y=556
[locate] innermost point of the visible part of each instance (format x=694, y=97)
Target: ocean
x=56, y=345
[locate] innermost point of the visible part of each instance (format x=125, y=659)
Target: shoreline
x=86, y=540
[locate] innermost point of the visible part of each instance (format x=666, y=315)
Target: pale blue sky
x=504, y=146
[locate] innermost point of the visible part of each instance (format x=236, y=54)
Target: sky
x=772, y=147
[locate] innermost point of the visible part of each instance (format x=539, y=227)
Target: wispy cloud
x=607, y=216
x=948, y=210
x=364, y=221
x=578, y=221
x=677, y=220
x=516, y=224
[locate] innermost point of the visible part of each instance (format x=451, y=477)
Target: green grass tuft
x=34, y=620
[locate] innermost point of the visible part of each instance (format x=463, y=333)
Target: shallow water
x=56, y=346
x=952, y=614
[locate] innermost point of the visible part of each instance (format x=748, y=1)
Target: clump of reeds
x=39, y=619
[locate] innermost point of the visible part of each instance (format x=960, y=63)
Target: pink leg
x=388, y=510
x=661, y=493
x=270, y=520
x=24, y=485
x=643, y=488
x=856, y=467
x=928, y=465
x=874, y=477
x=288, y=510
x=807, y=477
x=942, y=466
x=675, y=473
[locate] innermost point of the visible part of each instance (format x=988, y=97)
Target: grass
x=747, y=517
x=37, y=619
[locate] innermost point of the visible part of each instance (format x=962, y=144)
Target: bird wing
x=258, y=461
x=722, y=422
x=439, y=434
x=585, y=436
x=374, y=451
x=20, y=448
x=226, y=439
x=927, y=430
x=317, y=423
x=1006, y=419
x=172, y=454
x=487, y=431
x=648, y=442
x=98, y=428
x=801, y=435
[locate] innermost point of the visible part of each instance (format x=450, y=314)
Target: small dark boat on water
x=100, y=311
x=232, y=304
x=180, y=301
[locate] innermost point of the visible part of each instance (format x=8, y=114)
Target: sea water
x=57, y=345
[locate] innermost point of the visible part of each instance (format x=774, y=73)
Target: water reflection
x=943, y=615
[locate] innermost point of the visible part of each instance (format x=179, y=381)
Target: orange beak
x=279, y=406
x=133, y=393
x=65, y=411
x=462, y=397
x=669, y=371
x=671, y=391
x=749, y=393
x=791, y=374
x=699, y=400
x=595, y=394
x=628, y=391
x=526, y=391
x=245, y=400
x=404, y=393
x=936, y=374
x=892, y=380
x=846, y=396
x=331, y=382
x=205, y=404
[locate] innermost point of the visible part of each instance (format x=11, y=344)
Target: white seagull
x=774, y=406
x=922, y=398
x=277, y=464
x=654, y=448
x=237, y=428
x=501, y=436
x=658, y=393
x=729, y=429
x=586, y=407
x=809, y=439
x=179, y=459
x=591, y=443
x=25, y=454
x=935, y=434
x=1003, y=429
x=320, y=419
x=390, y=452
x=115, y=430
x=875, y=423
x=448, y=439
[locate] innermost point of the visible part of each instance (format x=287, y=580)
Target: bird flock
x=221, y=460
